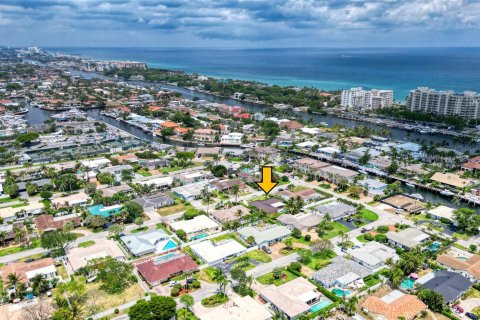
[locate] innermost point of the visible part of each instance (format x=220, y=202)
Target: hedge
x=449, y=315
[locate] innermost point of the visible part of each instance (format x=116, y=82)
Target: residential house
x=208, y=152
x=265, y=154
x=158, y=270
x=308, y=165
x=150, y=203
x=407, y=238
x=293, y=298
x=340, y=272
x=79, y=257
x=95, y=164
x=235, y=213
x=190, y=192
x=116, y=171
x=193, y=176
x=10, y=214
x=373, y=186
x=156, y=182
x=154, y=241
x=226, y=185
x=335, y=174
x=451, y=285
x=233, y=138
x=473, y=164
x=451, y=180
x=271, y=205
x=393, y=306
x=111, y=191
x=215, y=252
x=239, y=309
x=469, y=268
x=373, y=255
x=305, y=221
x=196, y=228
x=306, y=195
x=442, y=212
x=265, y=235
x=204, y=135
x=336, y=210
x=47, y=222
x=76, y=199
x=28, y=270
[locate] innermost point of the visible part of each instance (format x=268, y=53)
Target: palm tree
x=235, y=190
x=187, y=301
x=3, y=236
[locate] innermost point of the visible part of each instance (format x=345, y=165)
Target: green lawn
x=139, y=229
x=369, y=215
x=86, y=244
x=268, y=278
x=144, y=173
x=229, y=236
x=462, y=236
x=215, y=300
x=165, y=211
x=371, y=280
x=207, y=274
x=259, y=256
x=161, y=226
x=8, y=199
x=17, y=249
x=361, y=238
x=337, y=228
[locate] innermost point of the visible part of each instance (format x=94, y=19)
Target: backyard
x=337, y=228
x=268, y=278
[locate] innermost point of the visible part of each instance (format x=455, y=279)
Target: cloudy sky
x=240, y=23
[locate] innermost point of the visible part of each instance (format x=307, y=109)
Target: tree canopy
x=158, y=308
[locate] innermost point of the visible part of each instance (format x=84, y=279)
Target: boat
x=408, y=184
x=417, y=196
x=447, y=193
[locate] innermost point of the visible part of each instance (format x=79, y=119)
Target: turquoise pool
x=435, y=246
x=164, y=257
x=462, y=258
x=101, y=210
x=199, y=236
x=169, y=245
x=320, y=305
x=407, y=283
x=341, y=293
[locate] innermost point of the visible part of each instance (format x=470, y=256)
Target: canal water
x=37, y=116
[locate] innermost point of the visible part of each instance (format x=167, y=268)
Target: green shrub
x=196, y=284
x=368, y=237
x=307, y=237
x=175, y=292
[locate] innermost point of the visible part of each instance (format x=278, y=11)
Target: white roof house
x=373, y=255
x=215, y=252
x=200, y=223
x=442, y=212
x=407, y=238
x=265, y=235
x=157, y=241
x=239, y=309
x=191, y=191
x=159, y=182
x=95, y=163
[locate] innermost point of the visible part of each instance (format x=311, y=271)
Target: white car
x=172, y=283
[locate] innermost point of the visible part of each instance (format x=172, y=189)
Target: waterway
x=37, y=116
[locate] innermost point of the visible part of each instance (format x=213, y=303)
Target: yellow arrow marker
x=266, y=184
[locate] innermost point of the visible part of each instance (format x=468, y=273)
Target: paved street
x=268, y=267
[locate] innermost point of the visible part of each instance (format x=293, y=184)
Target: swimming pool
x=407, y=283
x=341, y=293
x=199, y=236
x=462, y=258
x=164, y=257
x=434, y=246
x=101, y=210
x=320, y=305
x=169, y=245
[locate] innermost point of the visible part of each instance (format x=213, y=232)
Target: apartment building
x=359, y=98
x=446, y=103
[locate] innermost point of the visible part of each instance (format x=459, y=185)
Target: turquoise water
x=96, y=210
x=435, y=246
x=170, y=245
x=165, y=257
x=462, y=258
x=400, y=69
x=198, y=236
x=320, y=305
x=407, y=283
x=341, y=293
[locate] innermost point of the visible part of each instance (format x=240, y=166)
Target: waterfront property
x=161, y=269
x=264, y=235
x=196, y=228
x=405, y=203
x=154, y=241
x=407, y=239
x=442, y=212
x=451, y=180
x=215, y=252
x=469, y=267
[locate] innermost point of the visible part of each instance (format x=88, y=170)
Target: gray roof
x=40, y=183
x=144, y=242
x=338, y=268
x=264, y=234
x=155, y=201
x=336, y=210
x=300, y=221
x=449, y=284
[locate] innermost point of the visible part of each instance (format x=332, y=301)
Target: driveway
x=470, y=304
x=446, y=229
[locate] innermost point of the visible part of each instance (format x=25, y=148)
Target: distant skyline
x=239, y=23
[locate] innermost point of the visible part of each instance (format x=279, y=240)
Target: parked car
x=350, y=219
x=29, y=260
x=266, y=249
x=172, y=283
x=471, y=316
x=191, y=280
x=344, y=249
x=458, y=308
x=367, y=228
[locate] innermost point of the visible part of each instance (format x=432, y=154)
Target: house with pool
x=106, y=212
x=394, y=305
x=154, y=241
x=214, y=253
x=407, y=239
x=197, y=228
x=341, y=274
x=294, y=298
x=265, y=235
x=467, y=266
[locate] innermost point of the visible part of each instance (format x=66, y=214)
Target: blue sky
x=240, y=23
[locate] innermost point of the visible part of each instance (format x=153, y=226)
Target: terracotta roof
x=407, y=306
x=21, y=268
x=47, y=222
x=154, y=271
x=471, y=265
x=472, y=165
x=169, y=124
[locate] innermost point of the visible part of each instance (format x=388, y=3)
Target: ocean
x=399, y=69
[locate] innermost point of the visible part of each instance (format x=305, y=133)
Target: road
x=268, y=267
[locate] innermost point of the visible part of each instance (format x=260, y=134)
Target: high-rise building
x=359, y=98
x=446, y=103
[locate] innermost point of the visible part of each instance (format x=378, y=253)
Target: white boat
x=408, y=184
x=447, y=193
x=417, y=196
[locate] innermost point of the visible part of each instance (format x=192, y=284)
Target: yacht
x=447, y=193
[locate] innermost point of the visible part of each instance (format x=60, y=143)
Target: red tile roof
x=154, y=272
x=46, y=222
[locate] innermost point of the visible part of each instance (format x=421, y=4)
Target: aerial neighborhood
x=119, y=196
